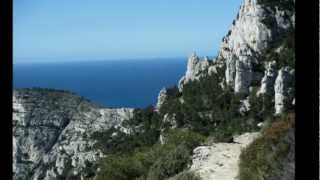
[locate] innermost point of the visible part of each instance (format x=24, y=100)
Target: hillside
x=231, y=117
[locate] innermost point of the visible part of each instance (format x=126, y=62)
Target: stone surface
x=244, y=106
x=241, y=50
x=220, y=160
x=51, y=133
x=283, y=89
x=161, y=98
x=246, y=39
x=195, y=69
x=268, y=80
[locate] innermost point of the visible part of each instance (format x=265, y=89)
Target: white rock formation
x=248, y=35
x=161, y=98
x=50, y=139
x=194, y=71
x=247, y=38
x=220, y=160
x=283, y=89
x=244, y=106
x=268, y=80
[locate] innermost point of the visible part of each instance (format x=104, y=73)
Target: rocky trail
x=220, y=160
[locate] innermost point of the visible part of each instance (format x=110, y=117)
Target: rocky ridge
x=240, y=55
x=51, y=133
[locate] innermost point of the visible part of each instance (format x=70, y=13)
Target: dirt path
x=220, y=160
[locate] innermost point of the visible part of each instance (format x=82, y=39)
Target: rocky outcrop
x=195, y=69
x=247, y=37
x=246, y=40
x=161, y=98
x=220, y=160
x=284, y=89
x=244, y=106
x=242, y=50
x=268, y=80
x=51, y=133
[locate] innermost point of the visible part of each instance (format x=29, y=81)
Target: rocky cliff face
x=242, y=50
x=195, y=69
x=51, y=133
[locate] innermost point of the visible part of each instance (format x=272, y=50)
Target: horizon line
x=77, y=60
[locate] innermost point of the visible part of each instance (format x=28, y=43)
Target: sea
x=110, y=83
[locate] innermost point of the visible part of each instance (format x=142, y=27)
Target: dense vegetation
x=272, y=155
x=144, y=127
x=186, y=175
x=209, y=109
x=286, y=5
x=286, y=43
x=154, y=162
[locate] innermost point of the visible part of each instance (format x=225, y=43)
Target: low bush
x=272, y=155
x=186, y=175
x=170, y=164
x=152, y=162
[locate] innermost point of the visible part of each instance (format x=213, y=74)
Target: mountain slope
x=51, y=131
x=248, y=85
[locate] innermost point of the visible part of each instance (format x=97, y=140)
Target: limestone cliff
x=242, y=55
x=51, y=133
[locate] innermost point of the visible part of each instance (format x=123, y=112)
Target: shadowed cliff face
x=51, y=132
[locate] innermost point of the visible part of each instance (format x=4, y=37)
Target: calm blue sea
x=123, y=83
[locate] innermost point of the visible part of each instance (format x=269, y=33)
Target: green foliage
x=145, y=131
x=186, y=175
x=178, y=136
x=285, y=5
x=286, y=57
x=261, y=107
x=152, y=162
x=171, y=163
x=206, y=95
x=208, y=109
x=269, y=155
x=171, y=104
x=120, y=167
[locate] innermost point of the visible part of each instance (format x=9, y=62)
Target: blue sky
x=69, y=30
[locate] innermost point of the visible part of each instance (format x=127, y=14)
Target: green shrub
x=186, y=175
x=170, y=164
x=180, y=136
x=144, y=125
x=120, y=167
x=269, y=155
x=286, y=57
x=285, y=5
x=148, y=161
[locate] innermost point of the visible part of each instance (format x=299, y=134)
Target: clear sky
x=53, y=30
